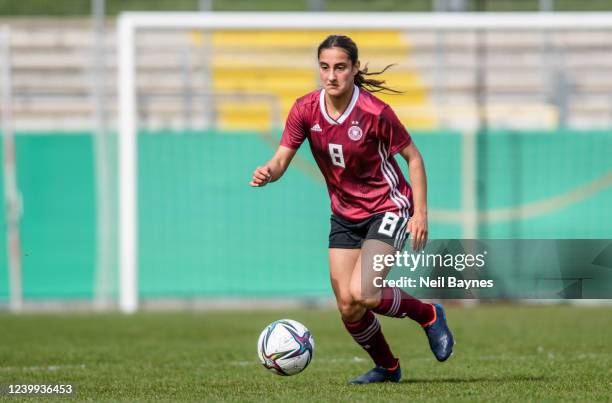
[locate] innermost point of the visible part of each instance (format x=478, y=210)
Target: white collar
x=346, y=113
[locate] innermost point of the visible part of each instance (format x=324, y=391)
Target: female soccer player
x=354, y=136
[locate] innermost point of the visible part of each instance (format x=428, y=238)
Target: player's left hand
x=417, y=226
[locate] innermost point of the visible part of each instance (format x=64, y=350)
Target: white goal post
x=12, y=197
x=129, y=24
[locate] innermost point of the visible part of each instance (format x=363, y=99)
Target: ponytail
x=371, y=84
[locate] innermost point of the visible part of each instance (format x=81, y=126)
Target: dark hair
x=348, y=45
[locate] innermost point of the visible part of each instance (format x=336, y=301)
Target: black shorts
x=387, y=227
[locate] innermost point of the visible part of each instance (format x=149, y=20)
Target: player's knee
x=369, y=302
x=348, y=308
x=365, y=299
x=355, y=292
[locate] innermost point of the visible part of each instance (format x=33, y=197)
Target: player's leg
x=345, y=239
x=386, y=236
x=360, y=322
x=341, y=264
x=387, y=301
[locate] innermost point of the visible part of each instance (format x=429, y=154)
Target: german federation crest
x=355, y=133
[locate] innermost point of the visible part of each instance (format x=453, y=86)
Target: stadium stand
x=261, y=75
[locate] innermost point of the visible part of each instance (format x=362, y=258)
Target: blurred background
x=515, y=127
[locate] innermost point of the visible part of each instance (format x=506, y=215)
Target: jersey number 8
x=335, y=152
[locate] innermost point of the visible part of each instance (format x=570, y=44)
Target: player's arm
x=273, y=169
x=417, y=226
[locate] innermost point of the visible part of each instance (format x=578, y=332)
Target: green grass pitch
x=503, y=352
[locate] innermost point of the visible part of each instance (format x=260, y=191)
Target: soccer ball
x=285, y=347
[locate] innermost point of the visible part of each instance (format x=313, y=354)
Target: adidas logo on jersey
x=316, y=128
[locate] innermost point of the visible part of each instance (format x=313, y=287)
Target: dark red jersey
x=354, y=153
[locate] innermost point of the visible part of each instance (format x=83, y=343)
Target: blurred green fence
x=83, y=7
x=203, y=232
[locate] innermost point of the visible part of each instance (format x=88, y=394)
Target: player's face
x=337, y=71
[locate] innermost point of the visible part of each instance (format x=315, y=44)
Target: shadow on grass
x=518, y=378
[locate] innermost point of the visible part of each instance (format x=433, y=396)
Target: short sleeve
x=294, y=133
x=392, y=132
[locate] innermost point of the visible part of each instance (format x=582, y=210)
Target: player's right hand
x=261, y=177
